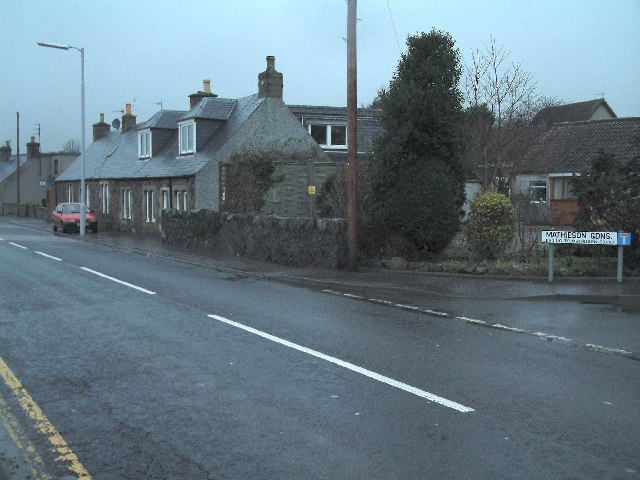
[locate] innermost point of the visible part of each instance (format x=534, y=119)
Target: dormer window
x=329, y=136
x=187, y=136
x=144, y=144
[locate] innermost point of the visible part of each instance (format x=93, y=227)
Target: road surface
x=120, y=366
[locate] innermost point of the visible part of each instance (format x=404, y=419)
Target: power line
x=394, y=27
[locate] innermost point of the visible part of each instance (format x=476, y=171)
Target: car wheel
x=55, y=229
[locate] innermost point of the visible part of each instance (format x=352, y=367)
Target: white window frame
x=182, y=200
x=329, y=127
x=87, y=196
x=105, y=197
x=144, y=144
x=165, y=199
x=150, y=206
x=126, y=204
x=563, y=188
x=70, y=193
x=188, y=129
x=537, y=186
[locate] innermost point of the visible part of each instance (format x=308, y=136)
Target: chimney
x=270, y=81
x=100, y=129
x=5, y=152
x=33, y=148
x=128, y=119
x=195, y=98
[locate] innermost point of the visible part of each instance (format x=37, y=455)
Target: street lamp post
x=83, y=206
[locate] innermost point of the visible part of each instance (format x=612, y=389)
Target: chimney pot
x=270, y=82
x=5, y=152
x=100, y=129
x=195, y=98
x=271, y=62
x=128, y=119
x=33, y=148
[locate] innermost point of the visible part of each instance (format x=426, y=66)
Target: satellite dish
x=116, y=124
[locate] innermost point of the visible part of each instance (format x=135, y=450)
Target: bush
x=609, y=199
x=249, y=176
x=491, y=225
x=415, y=214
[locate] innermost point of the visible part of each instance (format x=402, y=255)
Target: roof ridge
x=600, y=120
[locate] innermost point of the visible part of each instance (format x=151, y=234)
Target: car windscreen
x=71, y=209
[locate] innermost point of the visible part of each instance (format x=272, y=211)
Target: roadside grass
x=528, y=257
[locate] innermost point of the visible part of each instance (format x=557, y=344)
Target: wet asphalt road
x=145, y=379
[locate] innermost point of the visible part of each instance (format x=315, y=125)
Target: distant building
x=574, y=112
x=534, y=182
x=567, y=150
x=38, y=171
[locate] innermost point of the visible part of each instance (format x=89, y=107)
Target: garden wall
x=283, y=240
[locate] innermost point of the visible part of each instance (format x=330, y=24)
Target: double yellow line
x=42, y=424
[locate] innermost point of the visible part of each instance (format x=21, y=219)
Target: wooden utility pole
x=352, y=138
x=18, y=164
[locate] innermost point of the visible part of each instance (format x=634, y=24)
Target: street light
x=83, y=207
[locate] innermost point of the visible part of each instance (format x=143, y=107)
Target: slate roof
x=7, y=168
x=571, y=112
x=211, y=108
x=115, y=156
x=166, y=119
x=572, y=147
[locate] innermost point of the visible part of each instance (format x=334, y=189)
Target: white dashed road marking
x=48, y=256
x=127, y=284
x=497, y=326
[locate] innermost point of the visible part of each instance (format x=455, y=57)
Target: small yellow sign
x=311, y=189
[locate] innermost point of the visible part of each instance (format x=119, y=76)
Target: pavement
x=369, y=280
x=615, y=330
x=584, y=289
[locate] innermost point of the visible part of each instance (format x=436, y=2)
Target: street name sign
x=621, y=239
x=586, y=238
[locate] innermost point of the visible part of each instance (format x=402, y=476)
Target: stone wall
x=283, y=240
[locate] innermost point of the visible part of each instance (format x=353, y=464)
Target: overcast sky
x=146, y=51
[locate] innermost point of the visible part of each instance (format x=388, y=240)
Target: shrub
x=609, y=198
x=417, y=179
x=249, y=176
x=491, y=225
x=415, y=214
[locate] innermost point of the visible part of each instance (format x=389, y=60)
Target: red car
x=66, y=216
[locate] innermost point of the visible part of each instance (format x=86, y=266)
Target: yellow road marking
x=20, y=439
x=42, y=423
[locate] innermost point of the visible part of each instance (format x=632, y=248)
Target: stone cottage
x=176, y=159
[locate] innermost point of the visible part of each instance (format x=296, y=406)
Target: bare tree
x=501, y=99
x=72, y=146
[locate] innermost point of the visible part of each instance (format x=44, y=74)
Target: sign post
x=624, y=240
x=621, y=239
